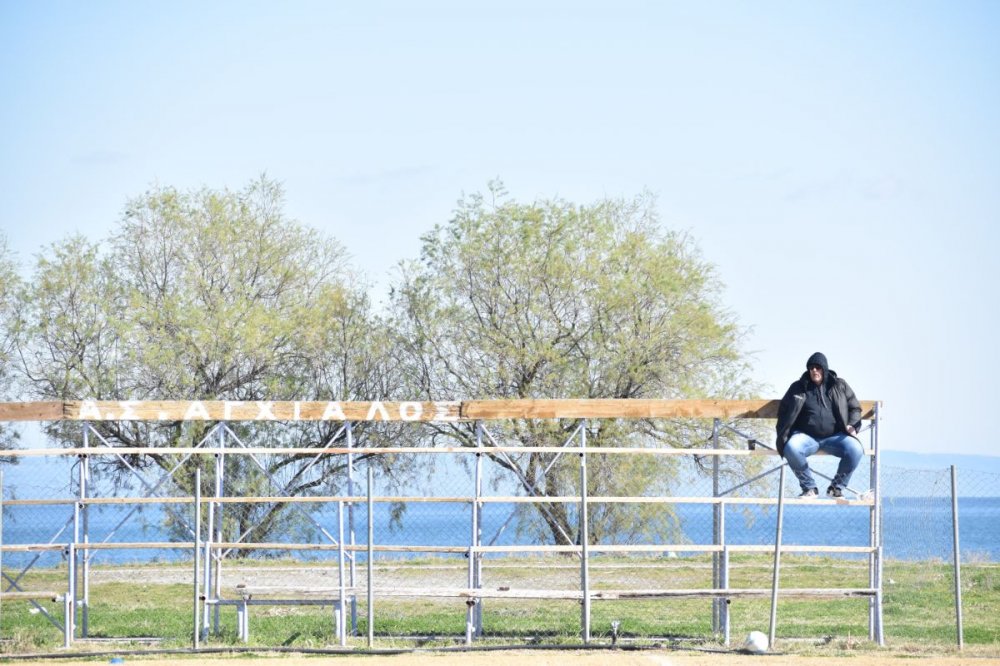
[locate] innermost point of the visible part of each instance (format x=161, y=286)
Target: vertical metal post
x=1, y=541
x=584, y=537
x=471, y=603
x=877, y=486
x=478, y=619
x=872, y=539
x=725, y=601
x=69, y=604
x=723, y=575
x=958, y=559
x=84, y=493
x=342, y=592
x=350, y=527
x=716, y=539
x=777, y=559
x=207, y=569
x=371, y=552
x=220, y=490
x=73, y=561
x=197, y=554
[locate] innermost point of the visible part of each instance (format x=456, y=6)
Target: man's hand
x=851, y=430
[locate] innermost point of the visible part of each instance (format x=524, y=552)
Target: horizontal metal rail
x=457, y=499
x=385, y=450
x=463, y=550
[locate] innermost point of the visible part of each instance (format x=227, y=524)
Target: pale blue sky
x=838, y=161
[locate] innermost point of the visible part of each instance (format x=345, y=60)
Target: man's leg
x=798, y=448
x=850, y=452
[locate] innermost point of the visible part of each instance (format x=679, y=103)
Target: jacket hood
x=819, y=359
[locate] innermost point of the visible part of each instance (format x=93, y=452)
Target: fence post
x=716, y=533
x=2, y=585
x=957, y=558
x=470, y=604
x=371, y=552
x=339, y=611
x=73, y=561
x=197, y=553
x=85, y=555
x=474, y=618
x=350, y=526
x=877, y=484
x=584, y=537
x=477, y=619
x=220, y=491
x=207, y=568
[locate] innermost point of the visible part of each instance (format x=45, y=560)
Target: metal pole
x=872, y=541
x=350, y=527
x=879, y=628
x=69, y=604
x=470, y=608
x=1, y=539
x=207, y=573
x=197, y=553
x=716, y=573
x=73, y=562
x=777, y=559
x=478, y=618
x=371, y=552
x=220, y=490
x=85, y=556
x=341, y=607
x=723, y=575
x=958, y=560
x=726, y=634
x=584, y=537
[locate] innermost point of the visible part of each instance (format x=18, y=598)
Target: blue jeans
x=800, y=446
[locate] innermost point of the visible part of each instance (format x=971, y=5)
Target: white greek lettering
x=264, y=411
x=127, y=409
x=410, y=411
x=196, y=412
x=89, y=410
x=377, y=408
x=333, y=412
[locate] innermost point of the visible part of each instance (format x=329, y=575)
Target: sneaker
x=834, y=491
x=809, y=492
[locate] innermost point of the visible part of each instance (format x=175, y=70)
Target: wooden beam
x=451, y=410
x=628, y=409
x=262, y=410
x=31, y=411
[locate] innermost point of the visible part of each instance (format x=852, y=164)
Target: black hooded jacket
x=846, y=408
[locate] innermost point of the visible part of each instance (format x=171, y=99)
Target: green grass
x=919, y=608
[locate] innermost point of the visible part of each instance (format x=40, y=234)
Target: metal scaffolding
x=209, y=545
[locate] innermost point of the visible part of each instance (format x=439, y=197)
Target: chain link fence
x=920, y=551
x=490, y=520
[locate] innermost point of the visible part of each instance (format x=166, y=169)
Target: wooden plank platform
x=505, y=592
x=30, y=595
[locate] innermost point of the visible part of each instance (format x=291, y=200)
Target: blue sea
x=914, y=528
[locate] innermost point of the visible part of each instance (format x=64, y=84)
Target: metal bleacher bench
x=263, y=595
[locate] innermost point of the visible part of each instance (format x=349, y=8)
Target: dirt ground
x=533, y=658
